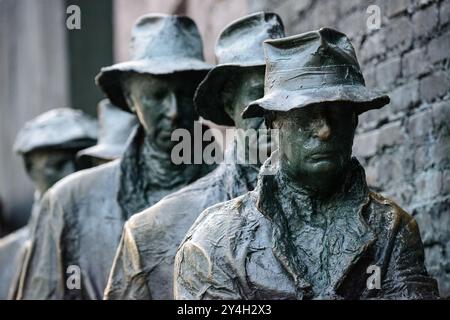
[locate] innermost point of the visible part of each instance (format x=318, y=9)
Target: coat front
x=252, y=247
x=79, y=228
x=143, y=267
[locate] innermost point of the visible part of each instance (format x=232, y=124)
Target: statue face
x=239, y=91
x=316, y=143
x=47, y=166
x=162, y=104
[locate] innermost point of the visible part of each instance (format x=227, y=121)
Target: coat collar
x=347, y=238
x=146, y=175
x=238, y=178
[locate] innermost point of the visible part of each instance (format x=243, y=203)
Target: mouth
x=323, y=155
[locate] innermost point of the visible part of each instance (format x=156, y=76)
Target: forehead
x=244, y=75
x=182, y=82
x=136, y=80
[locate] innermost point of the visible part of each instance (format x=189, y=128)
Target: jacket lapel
x=348, y=242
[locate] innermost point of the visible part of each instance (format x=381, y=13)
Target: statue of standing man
x=143, y=267
x=48, y=144
x=312, y=229
x=82, y=218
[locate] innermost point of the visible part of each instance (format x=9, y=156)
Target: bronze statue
x=48, y=145
x=143, y=267
x=82, y=218
x=313, y=229
x=115, y=127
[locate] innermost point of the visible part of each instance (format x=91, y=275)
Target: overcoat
x=278, y=242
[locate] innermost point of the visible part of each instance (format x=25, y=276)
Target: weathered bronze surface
x=81, y=218
x=313, y=229
x=143, y=267
x=48, y=145
x=115, y=127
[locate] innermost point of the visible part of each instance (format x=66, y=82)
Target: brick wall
x=404, y=147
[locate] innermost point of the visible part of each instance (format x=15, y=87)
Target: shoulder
x=387, y=213
x=70, y=194
x=84, y=181
x=178, y=206
x=14, y=240
x=223, y=224
x=214, y=178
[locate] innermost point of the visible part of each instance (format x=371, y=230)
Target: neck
x=159, y=169
x=321, y=186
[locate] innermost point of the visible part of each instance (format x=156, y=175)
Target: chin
x=325, y=168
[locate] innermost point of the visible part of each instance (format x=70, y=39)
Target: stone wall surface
x=405, y=147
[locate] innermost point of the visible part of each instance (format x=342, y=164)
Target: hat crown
x=242, y=41
x=158, y=36
x=56, y=128
x=115, y=125
x=312, y=59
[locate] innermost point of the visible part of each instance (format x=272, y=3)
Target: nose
x=323, y=130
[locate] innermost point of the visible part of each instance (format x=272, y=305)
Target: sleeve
x=406, y=275
x=42, y=276
x=203, y=269
x=127, y=280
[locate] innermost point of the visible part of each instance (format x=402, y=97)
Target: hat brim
x=109, y=78
x=208, y=98
x=74, y=145
x=106, y=152
x=359, y=97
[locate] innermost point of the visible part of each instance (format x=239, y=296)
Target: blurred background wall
x=33, y=79
x=404, y=147
x=43, y=65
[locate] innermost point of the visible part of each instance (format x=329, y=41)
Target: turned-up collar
x=274, y=193
x=144, y=170
x=239, y=177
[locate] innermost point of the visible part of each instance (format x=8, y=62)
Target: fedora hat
x=115, y=126
x=160, y=45
x=313, y=68
x=239, y=46
x=62, y=128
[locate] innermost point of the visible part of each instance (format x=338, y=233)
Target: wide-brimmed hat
x=115, y=127
x=62, y=128
x=239, y=46
x=160, y=45
x=313, y=68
